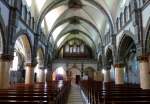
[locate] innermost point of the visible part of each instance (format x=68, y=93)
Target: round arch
x=89, y=71
x=127, y=57
x=40, y=56
x=147, y=38
x=23, y=44
x=126, y=42
x=73, y=73
x=109, y=57
x=2, y=34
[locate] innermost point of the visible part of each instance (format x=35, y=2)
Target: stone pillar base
x=41, y=75
x=119, y=74
x=107, y=76
x=29, y=74
x=98, y=76
x=5, y=61
x=4, y=74
x=144, y=72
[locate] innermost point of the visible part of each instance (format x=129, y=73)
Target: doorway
x=74, y=75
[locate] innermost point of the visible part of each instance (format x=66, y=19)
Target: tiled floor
x=75, y=96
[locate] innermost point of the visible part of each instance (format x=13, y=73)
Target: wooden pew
x=109, y=93
x=40, y=93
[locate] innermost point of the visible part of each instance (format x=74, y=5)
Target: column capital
x=143, y=58
x=6, y=57
x=119, y=65
x=30, y=65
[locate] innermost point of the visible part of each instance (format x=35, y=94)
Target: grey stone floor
x=75, y=96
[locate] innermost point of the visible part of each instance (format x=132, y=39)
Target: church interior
x=75, y=51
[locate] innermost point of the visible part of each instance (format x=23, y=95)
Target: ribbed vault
x=91, y=19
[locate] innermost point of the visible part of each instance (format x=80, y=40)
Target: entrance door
x=77, y=79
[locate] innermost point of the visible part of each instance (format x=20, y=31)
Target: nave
x=54, y=51
x=63, y=92
x=75, y=95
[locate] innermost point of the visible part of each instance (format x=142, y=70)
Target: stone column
x=5, y=61
x=98, y=76
x=29, y=74
x=119, y=74
x=144, y=72
x=41, y=75
x=107, y=76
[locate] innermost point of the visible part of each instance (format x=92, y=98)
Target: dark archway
x=127, y=56
x=109, y=64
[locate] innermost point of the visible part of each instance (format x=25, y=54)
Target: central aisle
x=75, y=96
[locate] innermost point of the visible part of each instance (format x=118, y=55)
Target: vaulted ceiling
x=88, y=20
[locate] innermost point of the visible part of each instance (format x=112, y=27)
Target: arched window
x=129, y=11
x=1, y=42
x=74, y=49
x=32, y=26
x=82, y=48
x=125, y=15
x=78, y=49
x=67, y=48
x=121, y=20
x=24, y=13
x=71, y=49
x=117, y=24
x=29, y=19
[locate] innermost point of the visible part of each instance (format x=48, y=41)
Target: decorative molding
x=6, y=57
x=119, y=65
x=30, y=64
x=143, y=58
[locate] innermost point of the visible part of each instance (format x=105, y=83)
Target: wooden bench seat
x=130, y=102
x=22, y=102
x=51, y=93
x=114, y=94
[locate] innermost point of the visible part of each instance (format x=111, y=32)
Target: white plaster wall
x=4, y=11
x=146, y=16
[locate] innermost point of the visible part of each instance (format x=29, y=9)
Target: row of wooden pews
x=109, y=93
x=54, y=92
